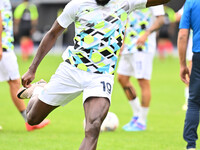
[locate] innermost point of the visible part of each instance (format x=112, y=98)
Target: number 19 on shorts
x=106, y=87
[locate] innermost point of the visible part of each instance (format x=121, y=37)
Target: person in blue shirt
x=191, y=20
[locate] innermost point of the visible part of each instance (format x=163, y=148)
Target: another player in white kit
x=8, y=61
x=137, y=61
x=89, y=65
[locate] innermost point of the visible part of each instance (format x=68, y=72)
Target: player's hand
x=27, y=78
x=141, y=41
x=185, y=74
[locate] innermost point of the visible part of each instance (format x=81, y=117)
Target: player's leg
x=131, y=95
x=96, y=110
x=192, y=114
x=9, y=72
x=145, y=92
x=37, y=111
x=14, y=87
x=145, y=99
x=143, y=69
x=63, y=87
x=125, y=70
x=127, y=86
x=191, y=124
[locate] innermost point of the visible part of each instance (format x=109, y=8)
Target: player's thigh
x=39, y=111
x=96, y=109
x=97, y=97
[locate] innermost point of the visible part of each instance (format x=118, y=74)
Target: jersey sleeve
x=137, y=4
x=68, y=14
x=185, y=19
x=158, y=10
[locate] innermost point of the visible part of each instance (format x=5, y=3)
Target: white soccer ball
x=110, y=123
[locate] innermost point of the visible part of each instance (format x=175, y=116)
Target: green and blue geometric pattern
x=98, y=38
x=7, y=34
x=138, y=22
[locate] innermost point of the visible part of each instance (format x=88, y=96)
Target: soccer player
x=8, y=61
x=137, y=60
x=90, y=64
x=164, y=43
x=25, y=20
x=190, y=20
x=189, y=56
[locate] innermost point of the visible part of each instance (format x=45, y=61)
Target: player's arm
x=182, y=48
x=159, y=21
x=156, y=2
x=62, y=22
x=185, y=25
x=1, y=30
x=45, y=46
x=178, y=17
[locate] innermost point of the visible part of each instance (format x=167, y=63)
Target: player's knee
x=93, y=128
x=14, y=83
x=121, y=80
x=32, y=120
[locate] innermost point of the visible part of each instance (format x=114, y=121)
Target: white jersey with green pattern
x=137, y=23
x=7, y=34
x=99, y=32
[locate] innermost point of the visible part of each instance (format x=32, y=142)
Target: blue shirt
x=191, y=19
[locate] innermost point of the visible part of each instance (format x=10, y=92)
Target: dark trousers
x=192, y=114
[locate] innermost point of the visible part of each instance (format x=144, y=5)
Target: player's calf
x=92, y=128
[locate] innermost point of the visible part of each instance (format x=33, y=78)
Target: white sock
x=37, y=90
x=136, y=107
x=143, y=115
x=186, y=94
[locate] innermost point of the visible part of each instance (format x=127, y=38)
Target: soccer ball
x=110, y=123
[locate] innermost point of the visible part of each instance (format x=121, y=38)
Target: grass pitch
x=165, y=120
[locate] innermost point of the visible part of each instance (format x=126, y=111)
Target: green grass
x=165, y=120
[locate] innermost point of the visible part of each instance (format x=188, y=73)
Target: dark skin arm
x=156, y=2
x=45, y=46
